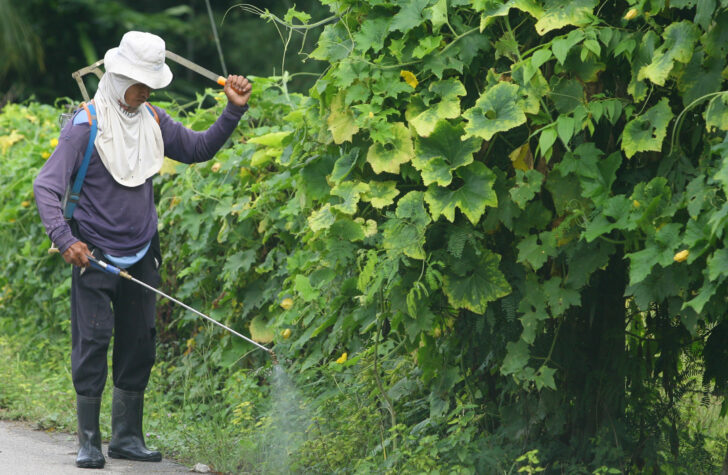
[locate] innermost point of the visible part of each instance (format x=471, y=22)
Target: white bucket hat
x=140, y=56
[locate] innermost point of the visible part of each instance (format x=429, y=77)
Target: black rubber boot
x=127, y=439
x=89, y=435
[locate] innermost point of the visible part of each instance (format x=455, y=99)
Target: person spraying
x=113, y=218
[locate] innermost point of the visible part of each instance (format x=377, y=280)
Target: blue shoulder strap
x=75, y=194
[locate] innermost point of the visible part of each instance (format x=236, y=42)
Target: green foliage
x=509, y=215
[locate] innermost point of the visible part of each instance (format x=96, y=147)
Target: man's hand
x=238, y=89
x=76, y=254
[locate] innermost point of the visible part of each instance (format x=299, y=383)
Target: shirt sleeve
x=189, y=146
x=51, y=182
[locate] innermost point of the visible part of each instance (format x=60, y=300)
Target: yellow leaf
x=342, y=358
x=7, y=141
x=682, y=255
x=168, y=167
x=216, y=167
x=409, y=77
x=522, y=158
x=636, y=204
x=286, y=333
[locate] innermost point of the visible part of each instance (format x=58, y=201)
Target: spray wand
x=122, y=273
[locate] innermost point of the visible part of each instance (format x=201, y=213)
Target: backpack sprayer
x=78, y=76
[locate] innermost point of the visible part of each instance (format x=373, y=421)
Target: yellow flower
x=636, y=204
x=45, y=155
x=286, y=303
x=409, y=78
x=25, y=204
x=632, y=13
x=54, y=142
x=681, y=256
x=342, y=358
x=215, y=167
x=286, y=333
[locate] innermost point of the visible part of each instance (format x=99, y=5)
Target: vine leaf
x=561, y=13
x=679, y=41
x=475, y=280
x=344, y=165
x=498, y=110
x=442, y=152
x=646, y=132
x=716, y=115
x=350, y=192
x=381, y=193
x=516, y=359
x=410, y=15
x=535, y=250
x=702, y=76
x=472, y=197
x=424, y=118
x=341, y=120
x=322, y=218
x=388, y=157
x=405, y=232
x=372, y=34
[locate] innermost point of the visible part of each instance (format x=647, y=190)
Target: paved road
x=26, y=451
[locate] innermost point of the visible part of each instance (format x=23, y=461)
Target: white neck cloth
x=130, y=144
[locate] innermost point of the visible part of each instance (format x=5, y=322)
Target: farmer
x=116, y=221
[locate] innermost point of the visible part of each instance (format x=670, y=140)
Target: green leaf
x=546, y=140
x=716, y=114
x=498, y=110
x=405, y=232
x=343, y=166
x=303, y=287
x=561, y=13
x=475, y=280
x=448, y=107
x=350, y=192
x=517, y=356
x=679, y=41
x=437, y=14
x=535, y=250
x=273, y=139
x=644, y=56
x=527, y=184
x=341, y=120
x=563, y=44
x=427, y=45
x=717, y=264
x=565, y=126
x=334, y=44
x=701, y=76
x=372, y=34
x=381, y=193
x=321, y=219
x=544, y=378
x=646, y=132
x=410, y=15
x=388, y=157
x=442, y=152
x=472, y=197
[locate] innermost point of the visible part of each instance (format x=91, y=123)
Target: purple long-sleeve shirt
x=117, y=219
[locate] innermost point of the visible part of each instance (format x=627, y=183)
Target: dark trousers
x=102, y=304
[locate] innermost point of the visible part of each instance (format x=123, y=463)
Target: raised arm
x=189, y=146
